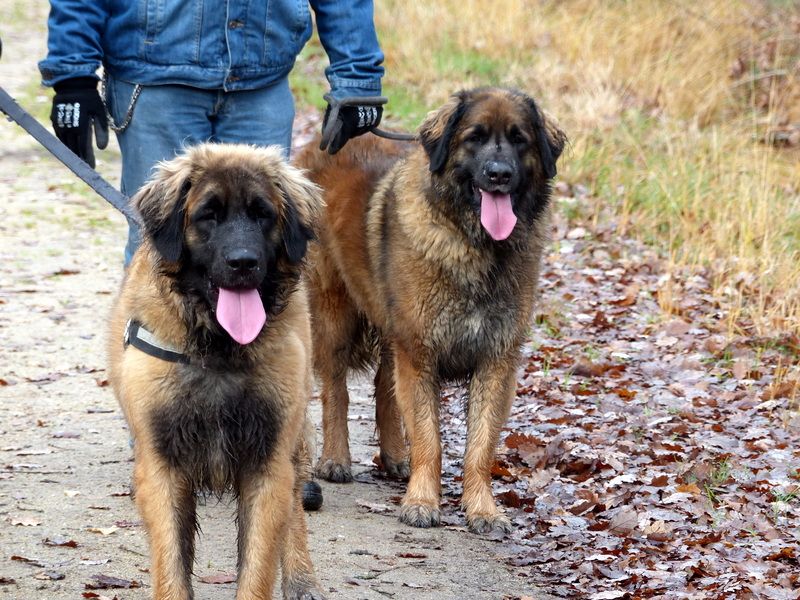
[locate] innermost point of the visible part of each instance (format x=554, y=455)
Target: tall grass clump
x=684, y=117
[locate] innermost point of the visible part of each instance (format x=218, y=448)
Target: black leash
x=394, y=135
x=91, y=177
x=337, y=104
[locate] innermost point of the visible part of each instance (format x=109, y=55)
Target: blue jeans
x=167, y=118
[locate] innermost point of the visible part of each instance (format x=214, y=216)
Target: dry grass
x=667, y=105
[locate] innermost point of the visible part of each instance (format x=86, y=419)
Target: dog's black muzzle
x=497, y=169
x=241, y=261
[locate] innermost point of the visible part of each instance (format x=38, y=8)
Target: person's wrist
x=75, y=84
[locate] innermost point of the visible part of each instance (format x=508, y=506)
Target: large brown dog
x=431, y=261
x=210, y=359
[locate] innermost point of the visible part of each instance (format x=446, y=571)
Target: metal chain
x=128, y=114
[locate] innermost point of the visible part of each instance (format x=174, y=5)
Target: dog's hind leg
x=167, y=505
x=264, y=510
x=311, y=490
x=335, y=322
x=394, y=456
x=334, y=462
x=491, y=394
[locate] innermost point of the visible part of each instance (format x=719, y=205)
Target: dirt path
x=64, y=456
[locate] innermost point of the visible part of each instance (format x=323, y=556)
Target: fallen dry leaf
x=25, y=521
x=218, y=579
x=60, y=541
x=31, y=561
x=106, y=582
x=374, y=507
x=49, y=576
x=103, y=530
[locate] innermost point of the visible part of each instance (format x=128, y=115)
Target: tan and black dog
x=210, y=359
x=428, y=258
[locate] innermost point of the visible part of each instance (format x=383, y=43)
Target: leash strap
x=140, y=338
x=91, y=177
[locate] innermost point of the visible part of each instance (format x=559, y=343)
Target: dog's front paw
x=296, y=591
x=420, y=515
x=333, y=471
x=496, y=523
x=397, y=469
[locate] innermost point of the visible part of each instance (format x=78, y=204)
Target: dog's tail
x=366, y=346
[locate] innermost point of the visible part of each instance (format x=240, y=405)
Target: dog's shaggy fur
x=231, y=418
x=404, y=263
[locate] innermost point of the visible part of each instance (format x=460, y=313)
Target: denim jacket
x=211, y=44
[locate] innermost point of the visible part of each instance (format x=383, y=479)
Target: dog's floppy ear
x=296, y=234
x=550, y=139
x=438, y=130
x=161, y=202
x=302, y=204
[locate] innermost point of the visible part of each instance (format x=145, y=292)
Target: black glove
x=76, y=108
x=348, y=118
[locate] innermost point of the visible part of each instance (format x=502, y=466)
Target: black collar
x=140, y=338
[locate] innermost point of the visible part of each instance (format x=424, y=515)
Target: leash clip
x=126, y=335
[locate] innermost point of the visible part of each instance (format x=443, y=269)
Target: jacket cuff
x=55, y=71
x=360, y=88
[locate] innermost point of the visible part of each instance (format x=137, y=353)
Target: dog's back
x=341, y=256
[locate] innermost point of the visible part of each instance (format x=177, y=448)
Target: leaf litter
x=649, y=453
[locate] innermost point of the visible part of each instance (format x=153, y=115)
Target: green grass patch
x=406, y=108
x=463, y=63
x=37, y=100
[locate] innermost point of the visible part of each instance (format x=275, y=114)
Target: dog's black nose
x=498, y=173
x=242, y=259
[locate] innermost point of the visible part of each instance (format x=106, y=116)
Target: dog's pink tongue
x=497, y=216
x=241, y=314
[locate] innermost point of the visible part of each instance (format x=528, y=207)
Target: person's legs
x=165, y=119
x=260, y=117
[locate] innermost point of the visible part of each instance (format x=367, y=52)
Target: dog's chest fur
x=472, y=321
x=218, y=427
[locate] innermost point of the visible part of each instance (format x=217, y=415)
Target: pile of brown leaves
x=646, y=455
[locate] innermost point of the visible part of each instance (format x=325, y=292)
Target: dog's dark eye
x=259, y=210
x=476, y=136
x=210, y=211
x=206, y=215
x=516, y=137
